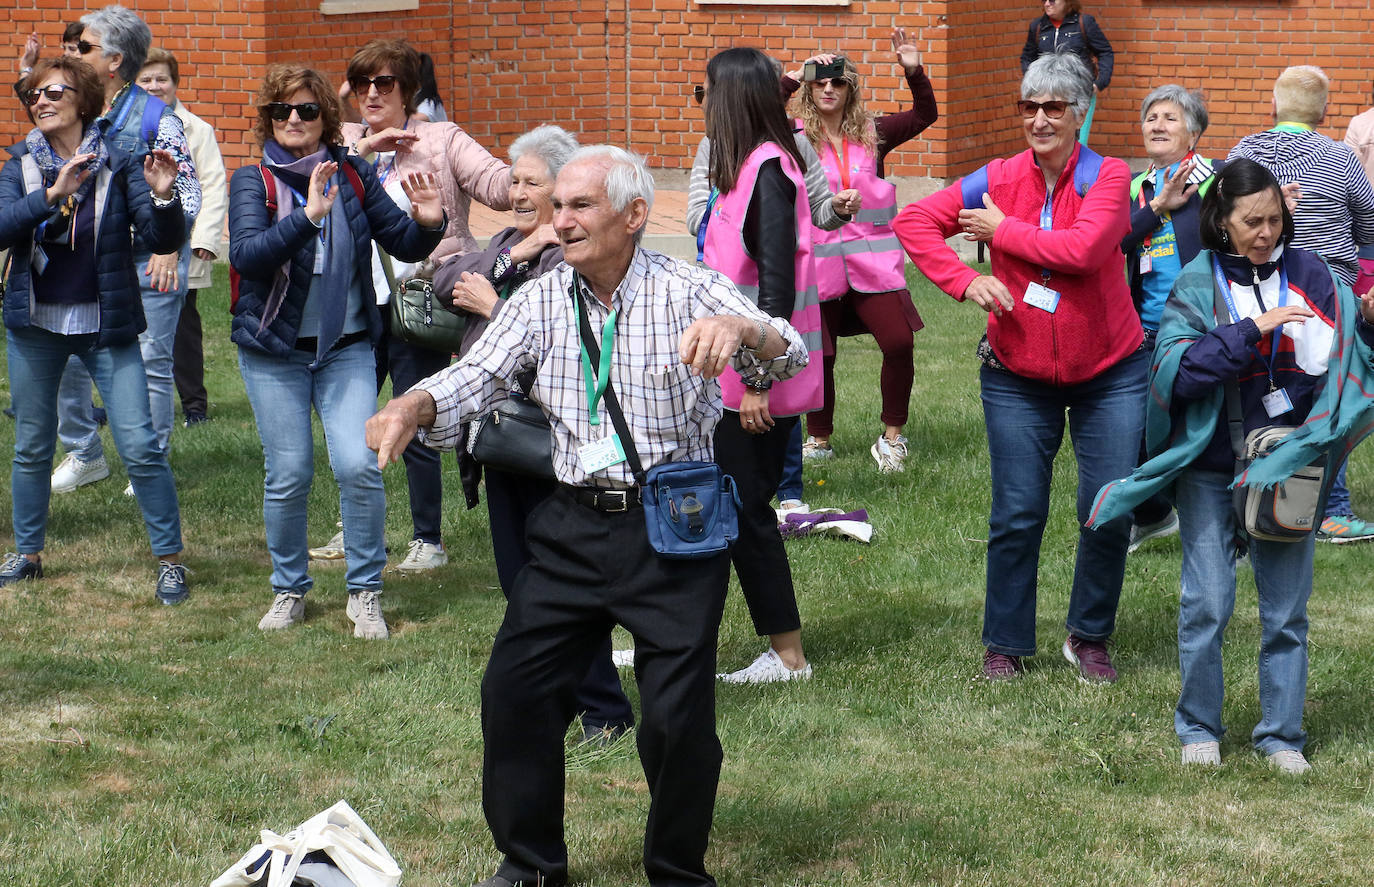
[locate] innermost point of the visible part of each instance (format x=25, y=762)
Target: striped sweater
x=1336, y=212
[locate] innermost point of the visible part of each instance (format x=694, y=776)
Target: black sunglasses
x=1053, y=109
x=82, y=47
x=280, y=111
x=385, y=83
x=835, y=82
x=52, y=93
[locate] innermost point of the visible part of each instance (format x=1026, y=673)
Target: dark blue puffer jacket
x=123, y=200
x=258, y=247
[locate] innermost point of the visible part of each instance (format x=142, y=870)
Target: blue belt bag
x=691, y=509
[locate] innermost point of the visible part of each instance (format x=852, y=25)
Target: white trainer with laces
x=1289, y=761
x=623, y=658
x=286, y=611
x=73, y=473
x=1207, y=753
x=365, y=612
x=1142, y=534
x=767, y=669
x=815, y=449
x=332, y=550
x=889, y=454
x=422, y=555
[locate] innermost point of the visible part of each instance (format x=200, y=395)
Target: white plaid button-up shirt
x=671, y=413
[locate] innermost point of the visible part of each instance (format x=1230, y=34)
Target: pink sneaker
x=1093, y=661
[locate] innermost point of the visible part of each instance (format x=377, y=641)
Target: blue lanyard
x=701, y=229
x=300, y=200
x=1224, y=286
x=384, y=171
x=1047, y=224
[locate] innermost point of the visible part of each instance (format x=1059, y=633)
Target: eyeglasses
x=281, y=111
x=834, y=82
x=1053, y=109
x=699, y=93
x=52, y=93
x=82, y=47
x=385, y=83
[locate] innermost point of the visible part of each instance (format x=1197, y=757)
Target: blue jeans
x=1283, y=577
x=1025, y=425
x=1338, y=500
x=36, y=361
x=343, y=391
x=77, y=428
x=791, y=485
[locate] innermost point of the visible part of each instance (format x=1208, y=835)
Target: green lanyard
x=596, y=380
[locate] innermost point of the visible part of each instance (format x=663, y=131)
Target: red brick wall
x=622, y=70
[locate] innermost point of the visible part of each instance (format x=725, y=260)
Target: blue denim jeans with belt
x=1025, y=425
x=1283, y=578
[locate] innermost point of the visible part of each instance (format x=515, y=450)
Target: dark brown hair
x=90, y=95
x=283, y=80
x=743, y=110
x=397, y=55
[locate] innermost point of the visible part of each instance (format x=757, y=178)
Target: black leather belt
x=605, y=500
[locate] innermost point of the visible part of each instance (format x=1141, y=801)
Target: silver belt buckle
x=614, y=500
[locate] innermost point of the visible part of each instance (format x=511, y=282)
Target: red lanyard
x=842, y=158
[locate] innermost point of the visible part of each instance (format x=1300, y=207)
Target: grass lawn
x=148, y=745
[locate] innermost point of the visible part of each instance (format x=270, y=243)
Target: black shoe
x=171, y=583
x=98, y=414
x=194, y=419
x=602, y=736
x=501, y=881
x=17, y=568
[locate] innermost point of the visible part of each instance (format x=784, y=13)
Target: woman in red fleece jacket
x=1063, y=340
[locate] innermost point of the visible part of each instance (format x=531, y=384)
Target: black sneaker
x=171, y=583
x=17, y=568
x=194, y=419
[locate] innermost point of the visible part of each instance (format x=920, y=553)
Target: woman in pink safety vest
x=759, y=235
x=860, y=267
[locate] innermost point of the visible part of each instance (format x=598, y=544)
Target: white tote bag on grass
x=339, y=832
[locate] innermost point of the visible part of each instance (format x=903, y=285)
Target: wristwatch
x=758, y=381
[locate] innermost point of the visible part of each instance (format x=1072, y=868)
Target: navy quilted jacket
x=127, y=202
x=258, y=247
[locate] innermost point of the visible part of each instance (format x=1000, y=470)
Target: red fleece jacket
x=1095, y=324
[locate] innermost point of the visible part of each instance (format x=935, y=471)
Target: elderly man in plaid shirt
x=671, y=328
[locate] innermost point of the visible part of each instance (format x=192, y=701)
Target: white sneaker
x=623, y=658
x=1204, y=753
x=814, y=449
x=332, y=550
x=1290, y=761
x=889, y=454
x=421, y=556
x=1142, y=534
x=766, y=669
x=365, y=612
x=129, y=489
x=73, y=473
x=286, y=611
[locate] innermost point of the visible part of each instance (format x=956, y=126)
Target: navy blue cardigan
x=128, y=203
x=258, y=246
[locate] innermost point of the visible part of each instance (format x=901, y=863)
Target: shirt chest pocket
x=671, y=389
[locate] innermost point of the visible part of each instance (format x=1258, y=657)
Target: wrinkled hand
x=1176, y=190
x=393, y=426
x=203, y=254
x=908, y=56
x=426, y=206
x=475, y=294
x=1277, y=317
x=753, y=412
x=847, y=202
x=539, y=239
x=990, y=294
x=1367, y=306
x=1292, y=194
x=29, y=57
x=160, y=172
x=390, y=139
x=319, y=197
x=69, y=178
x=981, y=224
x=161, y=272
x=709, y=343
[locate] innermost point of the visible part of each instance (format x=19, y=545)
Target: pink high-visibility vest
x=724, y=251
x=863, y=255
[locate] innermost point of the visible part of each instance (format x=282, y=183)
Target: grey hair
x=123, y=32
x=552, y=144
x=1189, y=101
x=627, y=177
x=1062, y=75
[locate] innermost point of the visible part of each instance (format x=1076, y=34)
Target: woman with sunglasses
x=301, y=226
x=68, y=200
x=860, y=268
x=759, y=235
x=1063, y=339
x=384, y=76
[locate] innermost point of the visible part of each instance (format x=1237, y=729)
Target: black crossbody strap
x=1235, y=417
x=627, y=441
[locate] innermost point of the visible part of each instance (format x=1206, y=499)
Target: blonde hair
x=856, y=122
x=1300, y=94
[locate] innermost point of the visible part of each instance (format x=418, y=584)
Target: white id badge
x=1146, y=263
x=601, y=454
x=1042, y=297
x=38, y=260
x=1276, y=403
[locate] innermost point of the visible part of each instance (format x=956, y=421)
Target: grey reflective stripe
x=811, y=340
x=749, y=292
x=871, y=245
x=829, y=250
x=876, y=215
x=808, y=296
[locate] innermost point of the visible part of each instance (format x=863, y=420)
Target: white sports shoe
x=365, y=612
x=1142, y=534
x=286, y=611
x=814, y=449
x=889, y=454
x=1290, y=761
x=767, y=669
x=623, y=658
x=73, y=473
x=1205, y=753
x=332, y=550
x=421, y=556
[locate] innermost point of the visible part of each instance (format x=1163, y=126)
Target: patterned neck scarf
x=50, y=164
